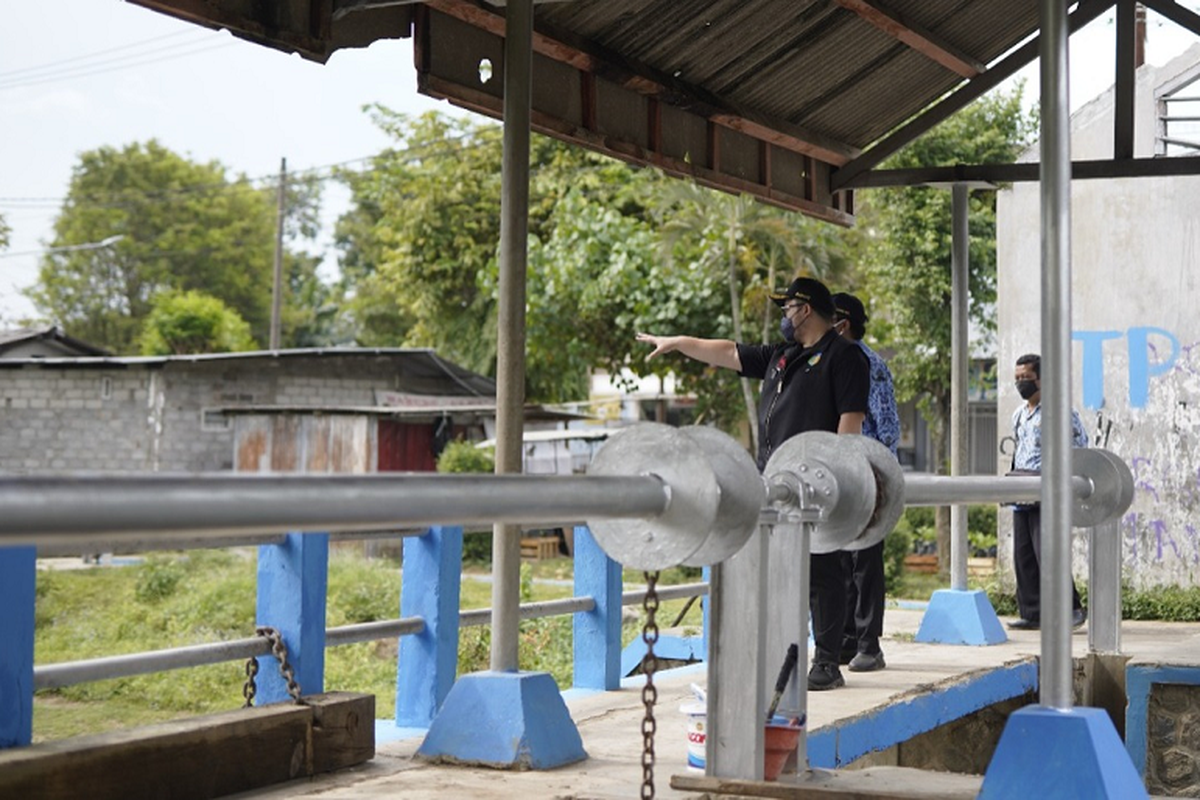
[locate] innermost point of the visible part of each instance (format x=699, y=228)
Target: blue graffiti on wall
x=1145, y=362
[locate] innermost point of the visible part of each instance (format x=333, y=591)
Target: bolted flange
x=889, y=492
x=715, y=496
x=832, y=475
x=1112, y=486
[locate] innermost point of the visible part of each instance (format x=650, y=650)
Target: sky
x=76, y=75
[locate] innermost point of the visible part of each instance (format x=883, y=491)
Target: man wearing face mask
x=1027, y=518
x=813, y=380
x=865, y=595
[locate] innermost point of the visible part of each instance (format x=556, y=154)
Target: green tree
x=192, y=322
x=5, y=233
x=181, y=226
x=905, y=241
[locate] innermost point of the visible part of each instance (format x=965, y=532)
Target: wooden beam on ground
x=203, y=757
x=916, y=37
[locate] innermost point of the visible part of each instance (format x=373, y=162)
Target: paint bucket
x=780, y=738
x=697, y=733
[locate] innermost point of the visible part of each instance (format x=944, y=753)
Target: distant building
x=178, y=413
x=44, y=342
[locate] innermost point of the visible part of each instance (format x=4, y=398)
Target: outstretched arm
x=717, y=352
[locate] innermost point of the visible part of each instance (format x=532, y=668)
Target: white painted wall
x=1135, y=246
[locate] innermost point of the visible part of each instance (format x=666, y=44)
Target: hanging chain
x=649, y=692
x=279, y=650
x=249, y=689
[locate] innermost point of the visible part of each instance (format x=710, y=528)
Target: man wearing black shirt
x=813, y=380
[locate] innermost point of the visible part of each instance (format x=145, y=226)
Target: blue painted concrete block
x=1061, y=753
x=431, y=589
x=1139, y=678
x=960, y=617
x=676, y=648
x=837, y=745
x=516, y=720
x=292, y=581
x=597, y=633
x=18, y=577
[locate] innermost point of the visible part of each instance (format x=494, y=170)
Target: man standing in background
x=865, y=590
x=1027, y=518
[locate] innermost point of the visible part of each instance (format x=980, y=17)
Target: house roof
x=419, y=371
x=47, y=339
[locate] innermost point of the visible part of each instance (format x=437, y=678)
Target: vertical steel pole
x=959, y=356
x=510, y=338
x=1104, y=588
x=806, y=534
x=737, y=694
x=1055, y=677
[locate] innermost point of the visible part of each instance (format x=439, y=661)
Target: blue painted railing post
x=292, y=581
x=597, y=633
x=18, y=576
x=429, y=589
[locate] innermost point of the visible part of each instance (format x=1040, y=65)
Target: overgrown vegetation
x=171, y=600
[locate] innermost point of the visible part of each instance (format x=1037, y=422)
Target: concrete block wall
x=70, y=419
x=151, y=416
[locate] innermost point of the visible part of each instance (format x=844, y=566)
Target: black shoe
x=824, y=676
x=1024, y=625
x=847, y=654
x=866, y=662
x=1078, y=617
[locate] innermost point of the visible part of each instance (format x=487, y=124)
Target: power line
x=71, y=74
x=85, y=56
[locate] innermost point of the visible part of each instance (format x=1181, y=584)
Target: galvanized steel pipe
x=921, y=489
x=113, y=508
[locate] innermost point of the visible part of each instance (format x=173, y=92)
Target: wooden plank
x=343, y=731
x=202, y=757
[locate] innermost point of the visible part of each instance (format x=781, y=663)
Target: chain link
x=279, y=650
x=649, y=691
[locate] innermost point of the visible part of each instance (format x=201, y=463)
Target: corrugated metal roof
x=814, y=64
x=421, y=368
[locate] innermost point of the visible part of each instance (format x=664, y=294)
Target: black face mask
x=1027, y=389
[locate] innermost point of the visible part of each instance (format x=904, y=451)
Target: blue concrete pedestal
x=956, y=616
x=1053, y=753
x=514, y=720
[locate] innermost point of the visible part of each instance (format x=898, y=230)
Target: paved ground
x=609, y=723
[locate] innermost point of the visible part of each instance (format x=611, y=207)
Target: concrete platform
x=610, y=723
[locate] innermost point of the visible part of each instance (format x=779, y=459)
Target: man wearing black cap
x=864, y=568
x=813, y=380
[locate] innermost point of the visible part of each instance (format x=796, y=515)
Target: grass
x=177, y=599
x=172, y=600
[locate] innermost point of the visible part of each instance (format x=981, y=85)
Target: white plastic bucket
x=697, y=733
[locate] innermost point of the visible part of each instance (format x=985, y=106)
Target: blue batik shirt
x=882, y=422
x=1027, y=430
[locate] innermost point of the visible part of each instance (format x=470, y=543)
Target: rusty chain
x=279, y=650
x=649, y=691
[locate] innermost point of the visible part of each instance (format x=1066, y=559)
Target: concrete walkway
x=610, y=723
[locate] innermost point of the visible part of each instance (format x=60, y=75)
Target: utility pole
x=277, y=285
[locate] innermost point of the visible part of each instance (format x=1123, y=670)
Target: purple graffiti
x=1160, y=533
x=1195, y=540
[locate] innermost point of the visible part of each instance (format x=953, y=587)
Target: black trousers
x=1027, y=561
x=827, y=601
x=864, y=599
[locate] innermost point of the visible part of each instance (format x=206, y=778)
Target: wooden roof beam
x=643, y=80
x=849, y=176
x=915, y=37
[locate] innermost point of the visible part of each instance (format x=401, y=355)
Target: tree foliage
x=169, y=224
x=613, y=249
x=192, y=322
x=5, y=233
